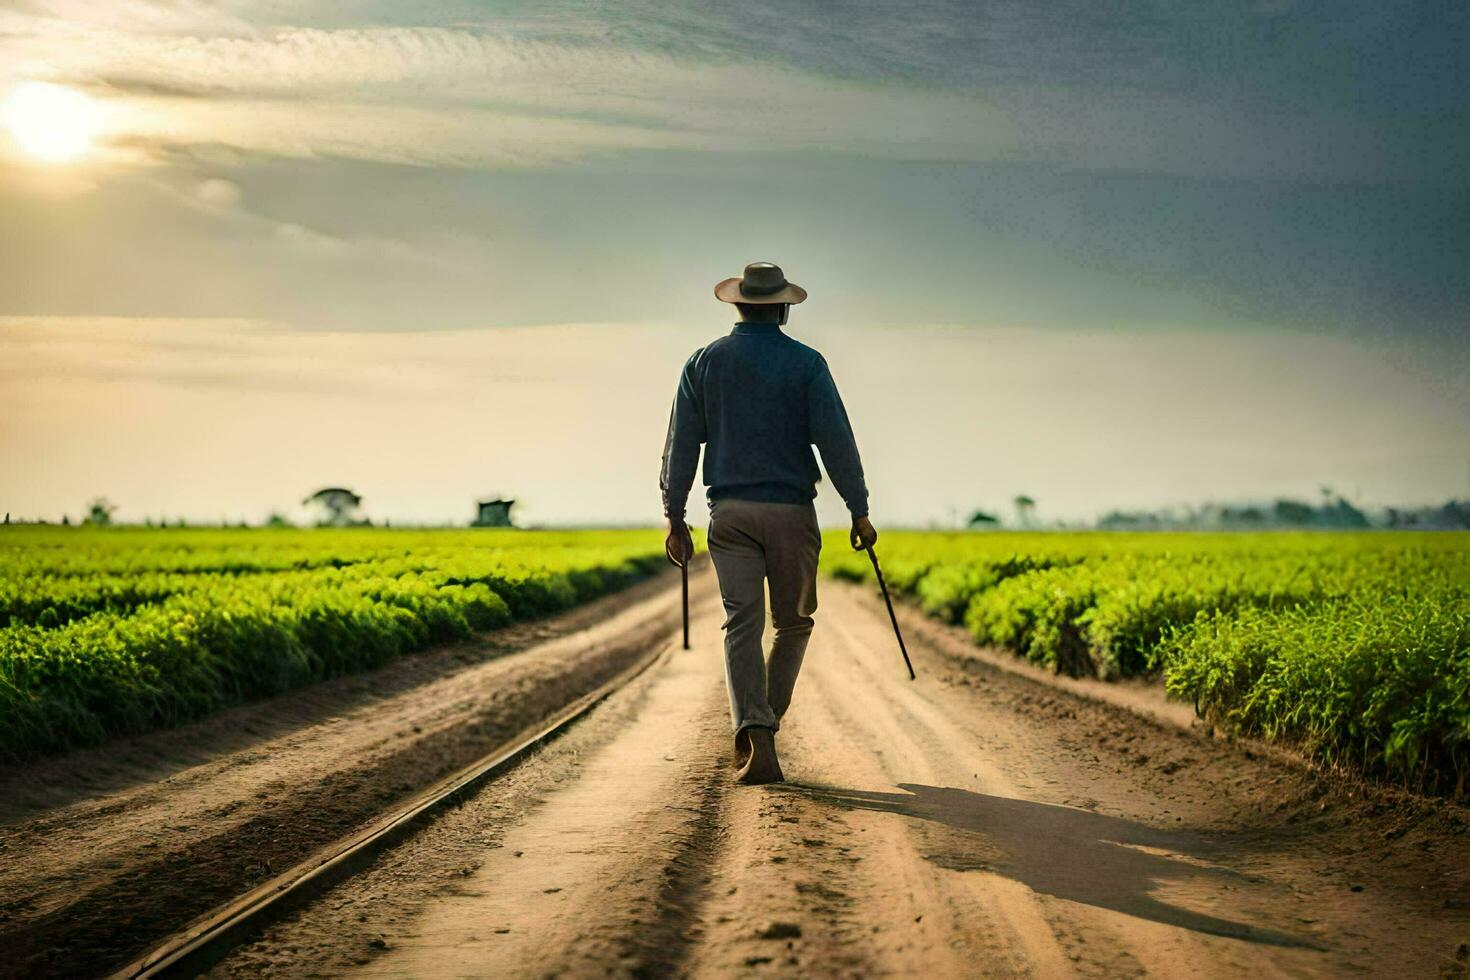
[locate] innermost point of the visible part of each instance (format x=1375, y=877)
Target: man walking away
x=760, y=400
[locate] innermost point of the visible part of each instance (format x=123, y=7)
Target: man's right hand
x=678, y=544
x=863, y=535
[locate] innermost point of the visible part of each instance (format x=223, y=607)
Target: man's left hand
x=678, y=544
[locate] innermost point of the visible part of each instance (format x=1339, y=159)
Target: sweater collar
x=757, y=329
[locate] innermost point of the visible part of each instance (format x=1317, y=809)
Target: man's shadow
x=1064, y=852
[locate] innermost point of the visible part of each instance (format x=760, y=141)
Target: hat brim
x=728, y=291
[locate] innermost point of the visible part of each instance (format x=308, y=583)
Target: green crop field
x=120, y=630
x=1356, y=647
x=1353, y=646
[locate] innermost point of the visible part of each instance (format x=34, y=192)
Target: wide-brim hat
x=763, y=282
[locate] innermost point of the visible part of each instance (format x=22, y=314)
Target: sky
x=1126, y=255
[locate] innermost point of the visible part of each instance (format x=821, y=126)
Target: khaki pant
x=754, y=543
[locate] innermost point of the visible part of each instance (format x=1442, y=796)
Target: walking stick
x=892, y=617
x=684, y=575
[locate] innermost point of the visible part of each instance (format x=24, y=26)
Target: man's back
x=759, y=400
x=753, y=386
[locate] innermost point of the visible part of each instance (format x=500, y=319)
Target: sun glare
x=50, y=122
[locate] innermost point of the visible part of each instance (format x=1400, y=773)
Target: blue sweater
x=760, y=400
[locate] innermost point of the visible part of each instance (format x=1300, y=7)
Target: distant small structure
x=338, y=506
x=493, y=513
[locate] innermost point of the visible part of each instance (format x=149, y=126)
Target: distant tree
x=1120, y=520
x=1342, y=514
x=99, y=512
x=1455, y=514
x=1247, y=515
x=337, y=506
x=1452, y=515
x=277, y=519
x=983, y=519
x=1292, y=512
x=1025, y=509
x=66, y=520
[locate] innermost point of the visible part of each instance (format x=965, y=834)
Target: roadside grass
x=1353, y=646
x=117, y=631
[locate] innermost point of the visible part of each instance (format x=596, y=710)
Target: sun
x=50, y=122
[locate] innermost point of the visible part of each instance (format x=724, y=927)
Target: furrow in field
x=93, y=881
x=594, y=854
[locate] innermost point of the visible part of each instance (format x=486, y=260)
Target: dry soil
x=971, y=823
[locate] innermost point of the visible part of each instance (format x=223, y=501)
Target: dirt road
x=972, y=823
x=104, y=851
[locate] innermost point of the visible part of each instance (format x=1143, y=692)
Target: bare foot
x=762, y=766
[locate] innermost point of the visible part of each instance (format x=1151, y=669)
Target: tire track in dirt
x=972, y=823
x=1130, y=868
x=90, y=884
x=594, y=854
x=619, y=838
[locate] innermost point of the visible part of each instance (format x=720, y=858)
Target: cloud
x=218, y=194
x=440, y=96
x=400, y=134
x=223, y=354
x=82, y=17
x=311, y=241
x=1235, y=93
x=224, y=199
x=129, y=85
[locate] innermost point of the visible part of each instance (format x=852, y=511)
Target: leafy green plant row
x=1352, y=645
x=1378, y=681
x=118, y=654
